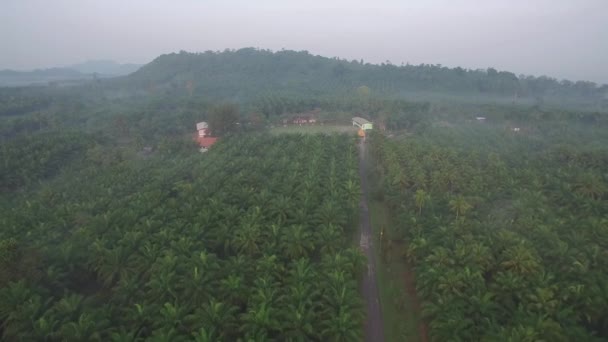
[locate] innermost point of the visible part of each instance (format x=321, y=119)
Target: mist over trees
x=240, y=74
x=116, y=227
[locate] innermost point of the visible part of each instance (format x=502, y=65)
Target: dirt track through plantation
x=374, y=326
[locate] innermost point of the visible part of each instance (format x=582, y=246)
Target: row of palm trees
x=507, y=243
x=251, y=241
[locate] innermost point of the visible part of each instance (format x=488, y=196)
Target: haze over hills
x=105, y=67
x=76, y=72
x=248, y=74
x=12, y=78
x=245, y=73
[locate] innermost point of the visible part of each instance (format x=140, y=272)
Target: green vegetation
x=507, y=230
x=401, y=319
x=114, y=227
x=299, y=79
x=249, y=241
x=29, y=159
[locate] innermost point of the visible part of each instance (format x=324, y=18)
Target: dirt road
x=374, y=326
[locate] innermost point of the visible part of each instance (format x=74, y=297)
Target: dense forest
x=114, y=227
x=241, y=75
x=507, y=231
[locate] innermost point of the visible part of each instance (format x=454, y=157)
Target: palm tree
x=459, y=205
x=12, y=297
x=272, y=237
x=479, y=255
x=266, y=290
x=281, y=207
x=590, y=185
x=299, y=322
x=451, y=324
x=269, y=266
x=440, y=257
x=353, y=192
x=234, y=287
x=112, y=265
x=167, y=335
x=301, y=271
x=128, y=287
x=399, y=178
x=421, y=198
x=239, y=264
x=147, y=255
x=69, y=307
x=339, y=296
x=341, y=326
x=328, y=239
x=300, y=215
x=140, y=317
x=483, y=306
x=356, y=261
x=172, y=316
x=182, y=246
x=543, y=301
x=45, y=328
x=520, y=259
x=330, y=213
x=509, y=288
x=19, y=310
x=86, y=328
x=197, y=286
x=260, y=318
x=205, y=335
x=162, y=287
x=246, y=239
x=296, y=241
x=417, y=247
x=220, y=316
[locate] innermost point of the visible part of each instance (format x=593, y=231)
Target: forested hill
x=245, y=73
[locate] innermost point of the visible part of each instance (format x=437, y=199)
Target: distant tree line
x=246, y=73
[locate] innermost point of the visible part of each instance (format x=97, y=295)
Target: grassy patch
x=314, y=129
x=398, y=309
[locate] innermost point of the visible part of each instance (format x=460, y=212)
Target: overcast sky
x=559, y=38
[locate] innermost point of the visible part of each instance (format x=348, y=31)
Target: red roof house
x=203, y=132
x=206, y=142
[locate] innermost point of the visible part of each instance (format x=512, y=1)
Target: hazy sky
x=559, y=38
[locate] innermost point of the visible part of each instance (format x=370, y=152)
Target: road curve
x=374, y=326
